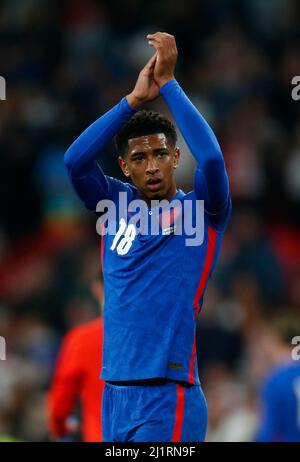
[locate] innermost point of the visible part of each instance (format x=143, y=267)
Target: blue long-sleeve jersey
x=154, y=284
x=280, y=405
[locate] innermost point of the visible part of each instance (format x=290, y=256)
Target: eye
x=138, y=158
x=161, y=154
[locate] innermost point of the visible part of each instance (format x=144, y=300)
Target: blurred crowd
x=65, y=63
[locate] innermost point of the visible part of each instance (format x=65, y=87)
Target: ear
x=123, y=166
x=176, y=158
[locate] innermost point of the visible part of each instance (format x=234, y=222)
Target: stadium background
x=65, y=63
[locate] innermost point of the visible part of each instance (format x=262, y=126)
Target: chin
x=154, y=195
x=157, y=195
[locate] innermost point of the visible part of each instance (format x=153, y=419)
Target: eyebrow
x=139, y=153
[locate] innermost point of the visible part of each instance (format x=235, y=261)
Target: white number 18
x=125, y=243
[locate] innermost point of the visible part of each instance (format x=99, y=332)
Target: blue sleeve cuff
x=127, y=106
x=168, y=85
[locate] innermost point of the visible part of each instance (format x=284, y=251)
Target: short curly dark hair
x=144, y=123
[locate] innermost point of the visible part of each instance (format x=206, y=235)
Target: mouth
x=154, y=184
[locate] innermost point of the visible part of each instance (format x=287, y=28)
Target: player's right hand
x=166, y=59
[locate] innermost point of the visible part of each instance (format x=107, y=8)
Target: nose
x=152, y=166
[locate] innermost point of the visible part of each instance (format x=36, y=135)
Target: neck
x=168, y=196
x=171, y=193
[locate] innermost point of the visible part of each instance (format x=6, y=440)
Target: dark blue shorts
x=153, y=413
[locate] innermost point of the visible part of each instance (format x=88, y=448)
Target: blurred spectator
x=77, y=379
x=252, y=256
x=280, y=390
x=230, y=406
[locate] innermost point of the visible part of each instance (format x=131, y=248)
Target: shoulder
x=285, y=371
x=117, y=186
x=83, y=332
x=218, y=221
x=278, y=377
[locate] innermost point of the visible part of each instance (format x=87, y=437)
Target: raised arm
x=83, y=152
x=85, y=173
x=211, y=181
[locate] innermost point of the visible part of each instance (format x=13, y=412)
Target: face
x=150, y=162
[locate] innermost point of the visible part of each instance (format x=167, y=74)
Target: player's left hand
x=166, y=58
x=146, y=89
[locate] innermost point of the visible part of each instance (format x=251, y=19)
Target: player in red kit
x=76, y=377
